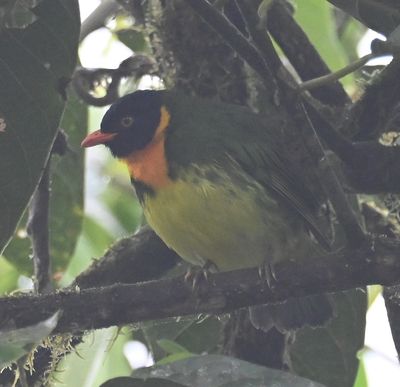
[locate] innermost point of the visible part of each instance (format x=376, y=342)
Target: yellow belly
x=233, y=227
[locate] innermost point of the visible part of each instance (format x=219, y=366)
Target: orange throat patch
x=149, y=164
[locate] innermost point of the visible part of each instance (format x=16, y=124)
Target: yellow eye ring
x=127, y=121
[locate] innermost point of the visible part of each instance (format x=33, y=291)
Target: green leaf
x=16, y=342
x=133, y=39
x=97, y=359
x=351, y=36
x=191, y=334
x=321, y=30
x=171, y=347
x=92, y=243
x=18, y=251
x=10, y=353
x=8, y=277
x=133, y=382
x=66, y=204
x=35, y=63
x=175, y=357
x=218, y=371
x=66, y=200
x=168, y=329
x=121, y=202
x=16, y=13
x=201, y=336
x=329, y=354
x=361, y=379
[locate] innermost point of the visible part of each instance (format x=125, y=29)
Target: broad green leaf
x=8, y=276
x=329, y=354
x=18, y=251
x=16, y=13
x=201, y=336
x=171, y=347
x=134, y=382
x=168, y=329
x=66, y=200
x=222, y=371
x=133, y=39
x=121, y=202
x=350, y=38
x=373, y=292
x=175, y=357
x=191, y=334
x=361, y=379
x=97, y=359
x=315, y=17
x=16, y=342
x=35, y=64
x=92, y=243
x=66, y=204
x=10, y=353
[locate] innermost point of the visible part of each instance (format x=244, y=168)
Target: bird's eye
x=127, y=121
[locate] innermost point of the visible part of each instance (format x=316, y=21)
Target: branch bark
x=306, y=61
x=38, y=230
x=238, y=42
x=374, y=263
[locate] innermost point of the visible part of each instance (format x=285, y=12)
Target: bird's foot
x=197, y=276
x=267, y=273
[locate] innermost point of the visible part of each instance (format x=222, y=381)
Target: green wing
x=267, y=168
x=204, y=131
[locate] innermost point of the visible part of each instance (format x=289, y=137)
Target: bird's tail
x=293, y=314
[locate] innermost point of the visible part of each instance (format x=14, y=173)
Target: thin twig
x=38, y=230
x=21, y=373
x=38, y=221
x=85, y=80
x=329, y=78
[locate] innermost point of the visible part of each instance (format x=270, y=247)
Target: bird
x=214, y=186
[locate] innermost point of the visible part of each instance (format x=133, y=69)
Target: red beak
x=97, y=138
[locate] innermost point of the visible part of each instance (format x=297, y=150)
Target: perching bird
x=214, y=187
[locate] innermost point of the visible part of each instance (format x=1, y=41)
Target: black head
x=129, y=124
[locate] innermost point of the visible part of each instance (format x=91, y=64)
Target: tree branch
x=86, y=80
x=120, y=304
x=142, y=257
x=38, y=230
x=368, y=116
x=259, y=36
x=306, y=61
x=392, y=303
x=238, y=42
x=98, y=17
